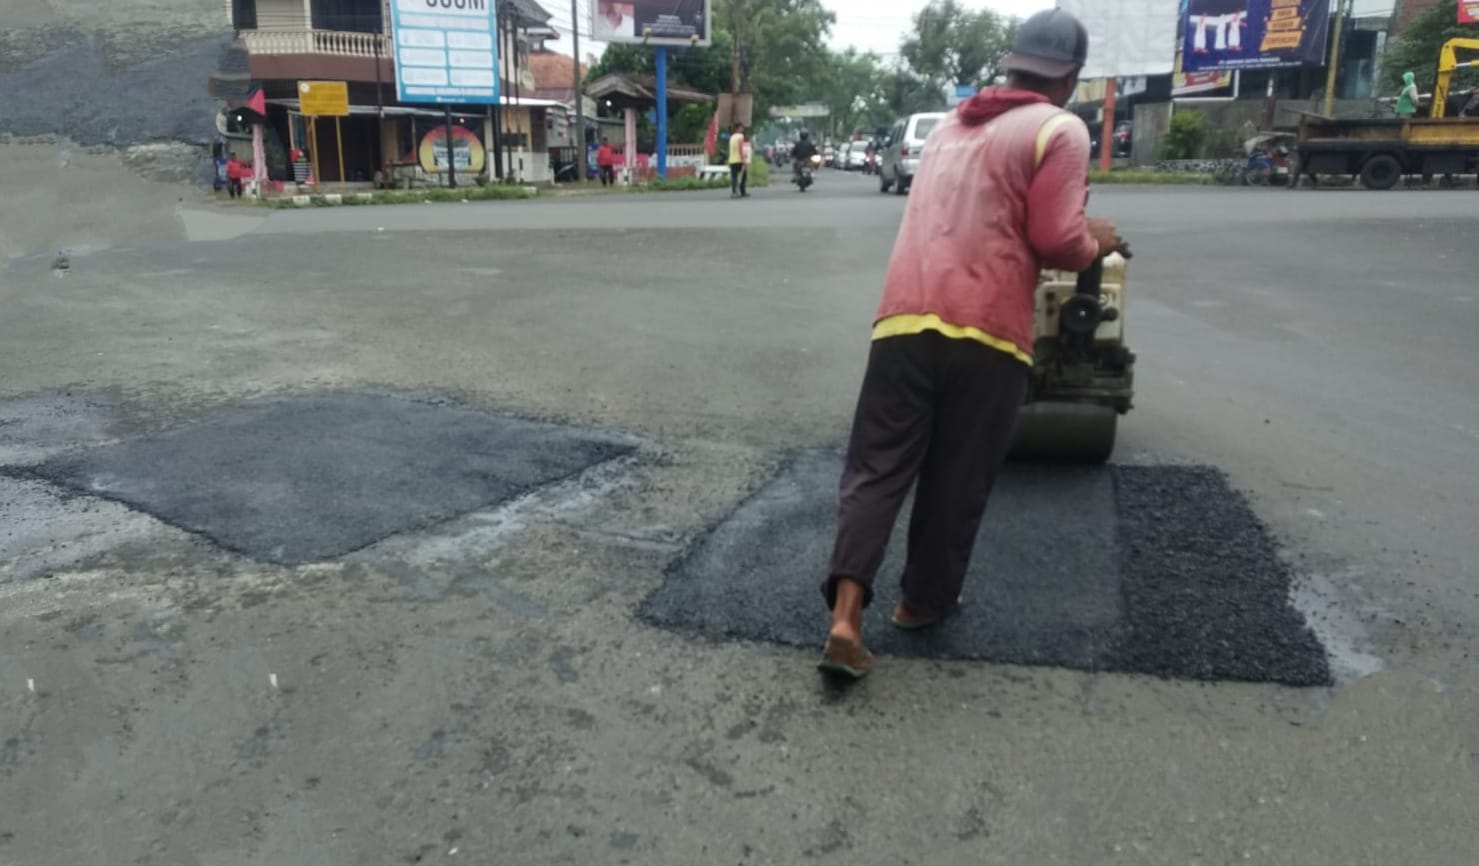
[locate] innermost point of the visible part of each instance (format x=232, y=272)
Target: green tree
x=951, y=44
x=906, y=93
x=1416, y=49
x=853, y=90
x=783, y=55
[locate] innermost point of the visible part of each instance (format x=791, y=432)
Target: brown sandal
x=845, y=657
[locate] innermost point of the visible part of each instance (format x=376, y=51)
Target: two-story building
x=289, y=41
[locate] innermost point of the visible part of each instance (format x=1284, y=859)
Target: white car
x=857, y=156
x=901, y=151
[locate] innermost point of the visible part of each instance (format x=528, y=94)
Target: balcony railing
x=343, y=43
x=337, y=43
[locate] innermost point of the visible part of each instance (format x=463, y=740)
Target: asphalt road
x=480, y=689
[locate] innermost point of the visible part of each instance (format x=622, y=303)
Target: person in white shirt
x=614, y=19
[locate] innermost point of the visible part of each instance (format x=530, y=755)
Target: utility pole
x=736, y=11
x=580, y=150
x=498, y=117
x=1341, y=10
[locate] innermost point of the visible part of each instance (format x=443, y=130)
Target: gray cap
x=1050, y=44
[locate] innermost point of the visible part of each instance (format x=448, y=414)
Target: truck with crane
x=1381, y=151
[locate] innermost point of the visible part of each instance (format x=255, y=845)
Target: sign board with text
x=446, y=51
x=1468, y=11
x=323, y=98
x=1253, y=34
x=653, y=22
x=809, y=110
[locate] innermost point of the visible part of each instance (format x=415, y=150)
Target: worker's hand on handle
x=1108, y=238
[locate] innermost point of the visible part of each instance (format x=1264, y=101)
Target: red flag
x=711, y=138
x=258, y=102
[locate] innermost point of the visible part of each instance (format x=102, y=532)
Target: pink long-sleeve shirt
x=999, y=195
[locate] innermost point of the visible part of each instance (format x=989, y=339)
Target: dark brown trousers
x=940, y=412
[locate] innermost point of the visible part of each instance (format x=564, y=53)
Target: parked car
x=902, y=149
x=857, y=156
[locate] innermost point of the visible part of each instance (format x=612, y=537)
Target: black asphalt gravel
x=1161, y=570
x=304, y=479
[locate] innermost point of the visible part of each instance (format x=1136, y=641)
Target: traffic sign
x=323, y=98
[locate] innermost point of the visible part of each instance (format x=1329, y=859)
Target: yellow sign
x=323, y=98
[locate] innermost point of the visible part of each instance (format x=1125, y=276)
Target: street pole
x=579, y=100
x=662, y=112
x=1106, y=138
x=1340, y=12
x=451, y=159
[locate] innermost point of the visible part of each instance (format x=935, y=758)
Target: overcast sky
x=877, y=25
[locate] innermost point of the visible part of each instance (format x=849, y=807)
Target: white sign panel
x=445, y=51
x=1128, y=37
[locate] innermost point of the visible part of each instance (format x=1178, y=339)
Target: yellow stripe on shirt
x=1045, y=133
x=908, y=324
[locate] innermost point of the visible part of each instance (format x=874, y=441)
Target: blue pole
x=662, y=112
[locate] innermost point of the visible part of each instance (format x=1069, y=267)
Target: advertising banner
x=1185, y=83
x=1126, y=37
x=652, y=22
x=446, y=51
x=1253, y=34
x=467, y=150
x=1468, y=11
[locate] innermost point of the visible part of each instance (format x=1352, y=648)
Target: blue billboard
x=1220, y=35
x=446, y=51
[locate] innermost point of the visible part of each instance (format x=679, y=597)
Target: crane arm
x=1448, y=63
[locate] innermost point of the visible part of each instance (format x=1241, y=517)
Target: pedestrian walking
x=952, y=340
x=235, y=171
x=606, y=162
x=738, y=182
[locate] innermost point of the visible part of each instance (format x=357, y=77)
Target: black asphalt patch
x=311, y=478
x=1161, y=570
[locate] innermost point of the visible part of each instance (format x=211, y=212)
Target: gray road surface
x=480, y=690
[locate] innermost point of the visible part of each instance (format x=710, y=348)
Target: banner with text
x=653, y=22
x=446, y=51
x=1468, y=11
x=1253, y=34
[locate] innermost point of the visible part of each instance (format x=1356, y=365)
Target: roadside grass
x=1146, y=176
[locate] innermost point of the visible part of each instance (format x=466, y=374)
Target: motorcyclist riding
x=803, y=151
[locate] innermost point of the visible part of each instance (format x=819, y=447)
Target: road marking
x=31, y=684
x=272, y=678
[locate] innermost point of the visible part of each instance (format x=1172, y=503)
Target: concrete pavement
x=480, y=690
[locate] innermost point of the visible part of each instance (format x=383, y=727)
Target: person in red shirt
x=999, y=195
x=606, y=162
x=235, y=171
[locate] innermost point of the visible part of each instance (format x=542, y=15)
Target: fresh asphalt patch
x=309, y=478
x=1161, y=570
